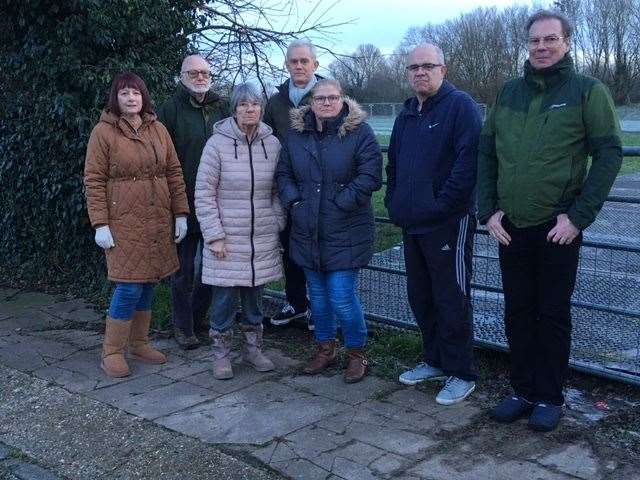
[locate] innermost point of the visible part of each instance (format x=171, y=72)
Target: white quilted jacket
x=236, y=200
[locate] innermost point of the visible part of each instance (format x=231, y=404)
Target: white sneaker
x=455, y=390
x=421, y=372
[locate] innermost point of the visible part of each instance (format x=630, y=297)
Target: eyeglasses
x=193, y=74
x=414, y=67
x=322, y=99
x=549, y=41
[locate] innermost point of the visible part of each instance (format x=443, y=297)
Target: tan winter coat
x=236, y=200
x=133, y=184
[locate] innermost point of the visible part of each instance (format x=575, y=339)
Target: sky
x=384, y=22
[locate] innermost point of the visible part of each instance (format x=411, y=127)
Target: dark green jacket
x=535, y=143
x=190, y=124
x=276, y=113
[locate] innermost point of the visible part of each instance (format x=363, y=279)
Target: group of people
x=284, y=187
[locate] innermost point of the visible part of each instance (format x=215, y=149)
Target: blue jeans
x=225, y=305
x=130, y=297
x=334, y=299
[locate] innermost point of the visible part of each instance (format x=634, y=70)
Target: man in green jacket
x=189, y=116
x=536, y=195
x=301, y=63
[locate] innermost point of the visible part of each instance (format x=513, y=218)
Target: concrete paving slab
x=18, y=302
x=576, y=460
x=30, y=321
x=69, y=380
x=450, y=417
x=28, y=353
x=334, y=387
x=82, y=339
x=301, y=469
x=187, y=369
x=350, y=470
x=403, y=417
x=243, y=376
x=253, y=415
x=479, y=466
x=388, y=464
x=129, y=387
x=29, y=471
x=76, y=310
x=165, y=400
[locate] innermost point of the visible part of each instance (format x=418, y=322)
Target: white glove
x=181, y=228
x=104, y=238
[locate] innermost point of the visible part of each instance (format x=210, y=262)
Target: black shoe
x=185, y=342
x=511, y=409
x=287, y=314
x=545, y=417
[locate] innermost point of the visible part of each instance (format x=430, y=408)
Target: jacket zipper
x=253, y=248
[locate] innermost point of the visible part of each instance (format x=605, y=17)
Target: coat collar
x=302, y=119
x=229, y=128
x=120, y=123
x=545, y=78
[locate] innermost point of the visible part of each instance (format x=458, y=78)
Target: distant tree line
x=487, y=46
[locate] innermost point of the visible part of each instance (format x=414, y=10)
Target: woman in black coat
x=329, y=166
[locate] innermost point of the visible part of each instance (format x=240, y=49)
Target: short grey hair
x=437, y=48
x=327, y=82
x=567, y=27
x=303, y=42
x=245, y=92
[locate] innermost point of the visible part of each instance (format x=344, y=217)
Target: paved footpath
x=61, y=418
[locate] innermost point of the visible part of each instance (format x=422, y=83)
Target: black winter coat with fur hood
x=326, y=180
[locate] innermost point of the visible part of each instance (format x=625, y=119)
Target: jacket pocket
x=299, y=219
x=422, y=201
x=113, y=200
x=549, y=183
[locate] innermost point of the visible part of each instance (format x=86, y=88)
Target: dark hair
x=128, y=80
x=567, y=28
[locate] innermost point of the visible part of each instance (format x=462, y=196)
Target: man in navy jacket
x=431, y=175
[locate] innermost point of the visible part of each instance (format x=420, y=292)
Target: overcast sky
x=384, y=22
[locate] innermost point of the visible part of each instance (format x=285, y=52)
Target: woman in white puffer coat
x=240, y=217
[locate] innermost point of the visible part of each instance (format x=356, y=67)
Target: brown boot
x=325, y=357
x=139, y=346
x=252, y=349
x=221, y=346
x=357, y=365
x=116, y=336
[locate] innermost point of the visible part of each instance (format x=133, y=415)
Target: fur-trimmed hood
x=302, y=118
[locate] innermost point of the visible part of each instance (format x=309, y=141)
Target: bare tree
x=364, y=74
x=240, y=36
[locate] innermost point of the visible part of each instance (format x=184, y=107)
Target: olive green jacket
x=190, y=124
x=534, y=147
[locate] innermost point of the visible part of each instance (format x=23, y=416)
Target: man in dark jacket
x=431, y=177
x=536, y=197
x=293, y=93
x=189, y=116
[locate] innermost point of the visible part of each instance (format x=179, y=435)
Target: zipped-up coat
x=236, y=200
x=190, y=124
x=133, y=183
x=326, y=179
x=535, y=144
x=433, y=154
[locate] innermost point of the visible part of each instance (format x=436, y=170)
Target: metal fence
x=605, y=304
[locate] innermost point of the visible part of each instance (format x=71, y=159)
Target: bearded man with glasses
x=536, y=198
x=189, y=116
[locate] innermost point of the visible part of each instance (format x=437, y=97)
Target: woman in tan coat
x=137, y=204
x=240, y=217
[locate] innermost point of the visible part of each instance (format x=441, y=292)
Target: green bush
x=58, y=61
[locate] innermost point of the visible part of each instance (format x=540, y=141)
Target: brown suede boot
x=357, y=365
x=325, y=357
x=139, y=346
x=221, y=346
x=252, y=349
x=116, y=336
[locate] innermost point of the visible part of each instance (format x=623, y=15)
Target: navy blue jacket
x=326, y=180
x=431, y=172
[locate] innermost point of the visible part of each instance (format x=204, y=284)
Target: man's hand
x=181, y=229
x=496, y=230
x=103, y=238
x=218, y=248
x=564, y=232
